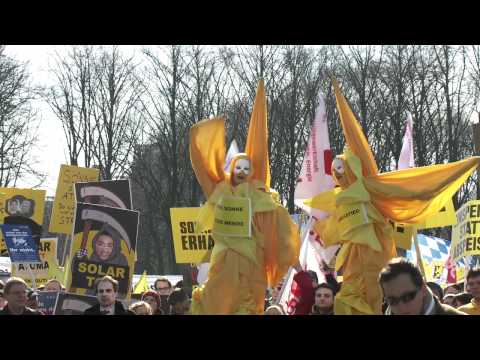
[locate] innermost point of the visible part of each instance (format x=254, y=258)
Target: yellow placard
x=191, y=246
x=466, y=233
x=41, y=271
x=445, y=217
x=233, y=217
x=20, y=202
x=402, y=235
x=460, y=272
x=64, y=205
x=351, y=216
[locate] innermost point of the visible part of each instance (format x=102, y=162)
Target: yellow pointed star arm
x=207, y=152
x=354, y=136
x=324, y=201
x=412, y=195
x=257, y=139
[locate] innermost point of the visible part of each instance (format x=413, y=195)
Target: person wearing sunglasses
x=406, y=292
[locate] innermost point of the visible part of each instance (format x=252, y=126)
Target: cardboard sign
x=46, y=301
x=64, y=205
x=20, y=244
x=73, y=304
x=20, y=202
x=233, y=217
x=190, y=245
x=104, y=241
x=41, y=272
x=445, y=217
x=351, y=217
x=114, y=193
x=466, y=233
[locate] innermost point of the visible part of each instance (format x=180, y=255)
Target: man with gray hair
x=15, y=292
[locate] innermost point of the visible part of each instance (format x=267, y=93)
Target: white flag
x=406, y=159
x=232, y=151
x=315, y=175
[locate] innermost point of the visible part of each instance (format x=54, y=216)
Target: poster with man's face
x=114, y=193
x=104, y=240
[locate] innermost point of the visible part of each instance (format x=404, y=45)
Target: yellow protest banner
x=40, y=272
x=233, y=217
x=466, y=233
x=64, y=205
x=191, y=246
x=351, y=216
x=28, y=203
x=445, y=217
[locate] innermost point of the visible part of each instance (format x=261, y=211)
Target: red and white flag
x=315, y=178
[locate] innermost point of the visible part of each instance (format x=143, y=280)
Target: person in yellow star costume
x=241, y=268
x=364, y=201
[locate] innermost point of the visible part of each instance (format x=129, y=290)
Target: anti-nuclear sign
x=104, y=240
x=25, y=203
x=466, y=233
x=233, y=217
x=190, y=245
x=350, y=217
x=20, y=244
x=41, y=272
x=64, y=205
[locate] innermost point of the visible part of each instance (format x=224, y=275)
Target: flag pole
x=419, y=254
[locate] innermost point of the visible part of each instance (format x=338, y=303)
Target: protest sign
x=41, y=272
x=26, y=203
x=402, y=235
x=233, y=217
x=350, y=217
x=466, y=233
x=46, y=301
x=73, y=304
x=64, y=204
x=151, y=279
x=20, y=244
x=191, y=246
x=103, y=243
x=114, y=193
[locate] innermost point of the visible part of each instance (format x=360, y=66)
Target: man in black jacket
x=106, y=289
x=15, y=292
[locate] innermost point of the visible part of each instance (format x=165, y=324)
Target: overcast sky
x=52, y=142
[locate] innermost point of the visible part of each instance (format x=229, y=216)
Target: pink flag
x=406, y=159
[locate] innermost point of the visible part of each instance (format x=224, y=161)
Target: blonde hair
x=139, y=304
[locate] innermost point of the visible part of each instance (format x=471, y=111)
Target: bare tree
x=18, y=125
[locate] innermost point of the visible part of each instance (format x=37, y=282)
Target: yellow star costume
x=364, y=202
x=241, y=267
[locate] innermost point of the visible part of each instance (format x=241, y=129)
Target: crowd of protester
x=404, y=288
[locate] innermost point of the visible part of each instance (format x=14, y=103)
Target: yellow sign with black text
x=445, y=217
x=351, y=216
x=466, y=233
x=191, y=246
x=233, y=217
x=28, y=203
x=64, y=205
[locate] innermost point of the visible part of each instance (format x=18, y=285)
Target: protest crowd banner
x=466, y=233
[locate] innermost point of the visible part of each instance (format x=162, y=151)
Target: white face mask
x=241, y=171
x=338, y=166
